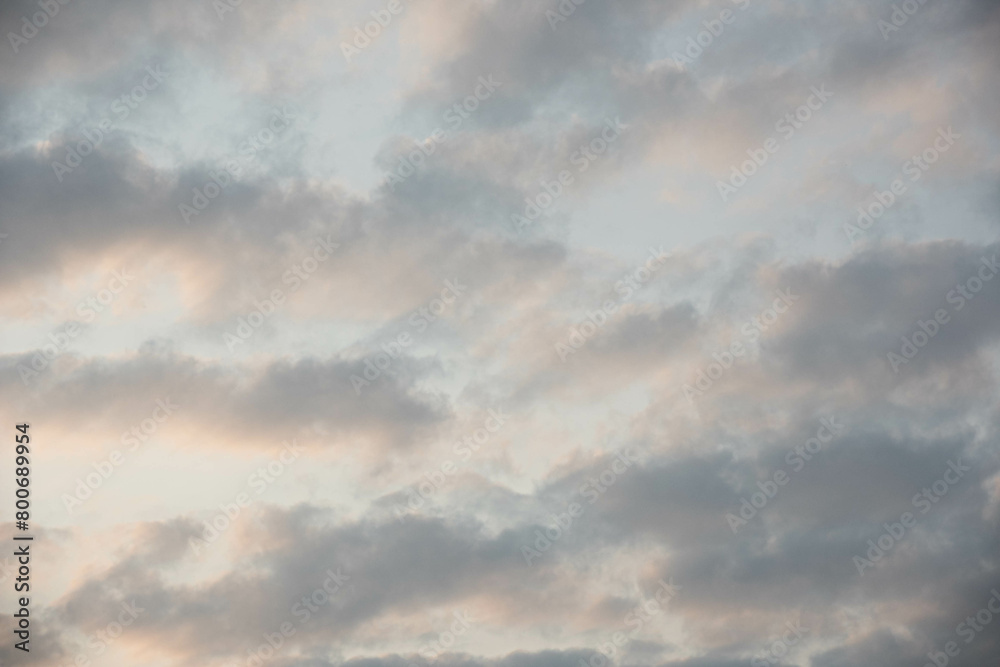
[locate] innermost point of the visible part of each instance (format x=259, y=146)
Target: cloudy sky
x=499, y=333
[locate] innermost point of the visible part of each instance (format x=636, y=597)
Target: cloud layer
x=504, y=334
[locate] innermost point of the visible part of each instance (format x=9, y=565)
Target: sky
x=496, y=333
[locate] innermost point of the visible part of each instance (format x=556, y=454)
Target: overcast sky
x=499, y=333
